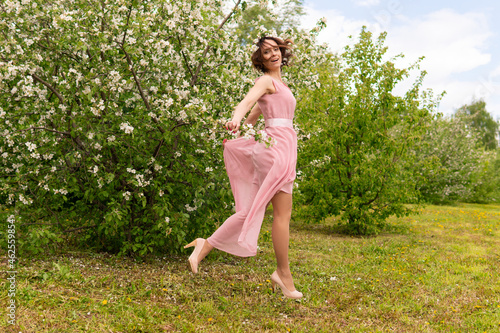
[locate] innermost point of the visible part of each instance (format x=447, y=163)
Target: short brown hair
x=285, y=48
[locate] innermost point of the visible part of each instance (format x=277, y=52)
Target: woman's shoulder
x=264, y=79
x=265, y=82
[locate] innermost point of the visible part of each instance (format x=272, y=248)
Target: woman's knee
x=282, y=216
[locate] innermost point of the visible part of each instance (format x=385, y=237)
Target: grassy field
x=439, y=273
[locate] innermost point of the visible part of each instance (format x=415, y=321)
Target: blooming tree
x=477, y=117
x=109, y=113
x=460, y=165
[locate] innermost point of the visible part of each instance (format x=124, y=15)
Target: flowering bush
x=107, y=111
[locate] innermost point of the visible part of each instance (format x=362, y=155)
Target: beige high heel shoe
x=275, y=280
x=193, y=258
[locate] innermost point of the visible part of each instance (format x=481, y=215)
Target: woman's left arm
x=254, y=115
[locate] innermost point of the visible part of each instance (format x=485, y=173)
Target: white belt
x=274, y=122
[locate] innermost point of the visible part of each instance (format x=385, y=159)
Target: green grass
x=439, y=273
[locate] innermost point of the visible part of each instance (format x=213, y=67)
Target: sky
x=459, y=39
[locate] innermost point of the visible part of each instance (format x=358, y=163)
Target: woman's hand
x=233, y=126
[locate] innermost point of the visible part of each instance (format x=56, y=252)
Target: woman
x=259, y=175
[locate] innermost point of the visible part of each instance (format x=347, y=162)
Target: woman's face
x=271, y=54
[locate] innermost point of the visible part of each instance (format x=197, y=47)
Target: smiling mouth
x=275, y=60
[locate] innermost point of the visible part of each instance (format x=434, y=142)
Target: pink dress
x=257, y=173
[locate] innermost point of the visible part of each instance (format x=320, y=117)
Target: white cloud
x=338, y=28
x=495, y=73
x=366, y=3
x=453, y=43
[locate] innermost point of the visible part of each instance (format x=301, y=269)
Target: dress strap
x=274, y=122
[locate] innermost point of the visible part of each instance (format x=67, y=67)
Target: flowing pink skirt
x=256, y=174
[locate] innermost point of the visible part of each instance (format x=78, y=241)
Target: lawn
x=439, y=271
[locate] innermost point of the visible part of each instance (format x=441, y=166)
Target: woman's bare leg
x=282, y=211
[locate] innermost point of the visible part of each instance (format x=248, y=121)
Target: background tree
x=256, y=16
x=477, y=117
x=459, y=160
x=357, y=164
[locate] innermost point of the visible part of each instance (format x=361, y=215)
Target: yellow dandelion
x=210, y=319
x=164, y=289
x=128, y=299
x=268, y=281
x=73, y=321
x=179, y=316
x=104, y=302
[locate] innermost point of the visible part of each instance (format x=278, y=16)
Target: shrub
x=358, y=164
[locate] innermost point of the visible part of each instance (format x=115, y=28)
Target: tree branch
x=137, y=82
x=80, y=228
x=61, y=99
x=43, y=128
x=184, y=56
x=195, y=77
x=38, y=224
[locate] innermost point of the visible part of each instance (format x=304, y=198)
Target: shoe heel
x=198, y=244
x=273, y=285
x=275, y=279
x=193, y=243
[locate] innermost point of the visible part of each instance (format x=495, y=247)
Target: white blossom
x=31, y=146
x=126, y=128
